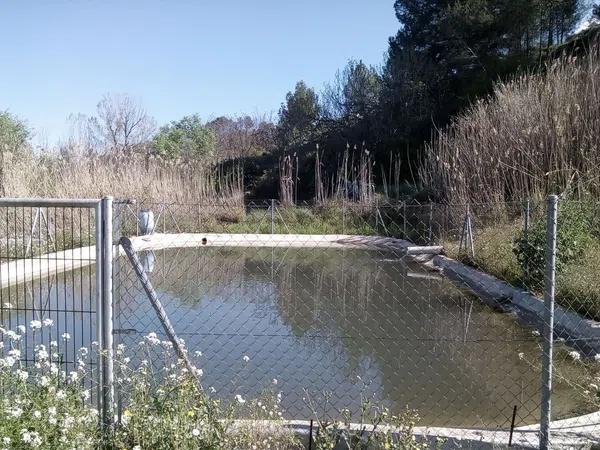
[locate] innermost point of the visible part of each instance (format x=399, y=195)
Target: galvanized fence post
x=527, y=213
x=344, y=215
x=547, y=349
x=106, y=317
x=272, y=216
x=430, y=237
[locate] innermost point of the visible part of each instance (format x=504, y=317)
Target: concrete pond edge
x=577, y=331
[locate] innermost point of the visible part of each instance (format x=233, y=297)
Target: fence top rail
x=49, y=202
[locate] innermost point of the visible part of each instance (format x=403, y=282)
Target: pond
x=349, y=323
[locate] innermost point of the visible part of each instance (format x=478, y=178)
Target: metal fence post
x=344, y=215
x=272, y=216
x=430, y=237
x=549, y=287
x=107, y=386
x=526, y=238
x=404, y=220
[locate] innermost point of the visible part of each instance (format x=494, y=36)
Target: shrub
x=44, y=407
x=165, y=407
x=575, y=233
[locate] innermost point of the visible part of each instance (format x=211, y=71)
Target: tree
x=453, y=51
x=298, y=116
x=187, y=138
x=354, y=93
x=14, y=134
x=121, y=125
x=14, y=137
x=241, y=136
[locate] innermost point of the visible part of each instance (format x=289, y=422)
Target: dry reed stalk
x=139, y=177
x=535, y=135
x=286, y=182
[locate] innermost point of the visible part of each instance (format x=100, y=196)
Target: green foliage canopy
x=187, y=138
x=14, y=134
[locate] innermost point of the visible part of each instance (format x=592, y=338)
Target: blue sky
x=210, y=57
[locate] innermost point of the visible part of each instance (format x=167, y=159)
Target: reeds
x=535, y=135
x=286, y=180
x=140, y=177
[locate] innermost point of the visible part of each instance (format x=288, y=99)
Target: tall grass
x=139, y=177
x=535, y=135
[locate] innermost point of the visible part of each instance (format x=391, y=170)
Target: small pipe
x=310, y=432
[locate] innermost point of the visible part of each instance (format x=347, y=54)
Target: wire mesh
x=48, y=285
x=324, y=301
x=433, y=307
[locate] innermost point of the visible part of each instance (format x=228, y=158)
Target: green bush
x=575, y=233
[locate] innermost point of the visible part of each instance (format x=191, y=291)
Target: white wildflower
x=597, y=357
x=12, y=335
x=73, y=377
x=274, y=380
x=195, y=432
x=21, y=328
x=35, y=324
x=6, y=440
x=66, y=336
x=575, y=355
x=9, y=361
x=26, y=436
x=240, y=399
x=22, y=375
x=47, y=322
x=60, y=394
x=37, y=414
x=44, y=381
x=521, y=355
x=42, y=353
x=8, y=305
x=136, y=447
x=15, y=412
x=246, y=358
x=152, y=338
x=69, y=420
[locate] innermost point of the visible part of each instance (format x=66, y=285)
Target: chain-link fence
x=439, y=308
x=433, y=307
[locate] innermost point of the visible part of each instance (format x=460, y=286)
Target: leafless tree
x=242, y=136
x=121, y=125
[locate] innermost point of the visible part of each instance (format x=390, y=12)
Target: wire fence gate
x=55, y=287
x=483, y=318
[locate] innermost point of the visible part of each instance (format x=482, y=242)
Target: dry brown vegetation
x=535, y=135
x=134, y=176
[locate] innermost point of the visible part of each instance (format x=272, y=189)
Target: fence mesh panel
x=438, y=308
x=323, y=304
x=48, y=286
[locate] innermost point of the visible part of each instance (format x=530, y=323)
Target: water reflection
x=343, y=321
